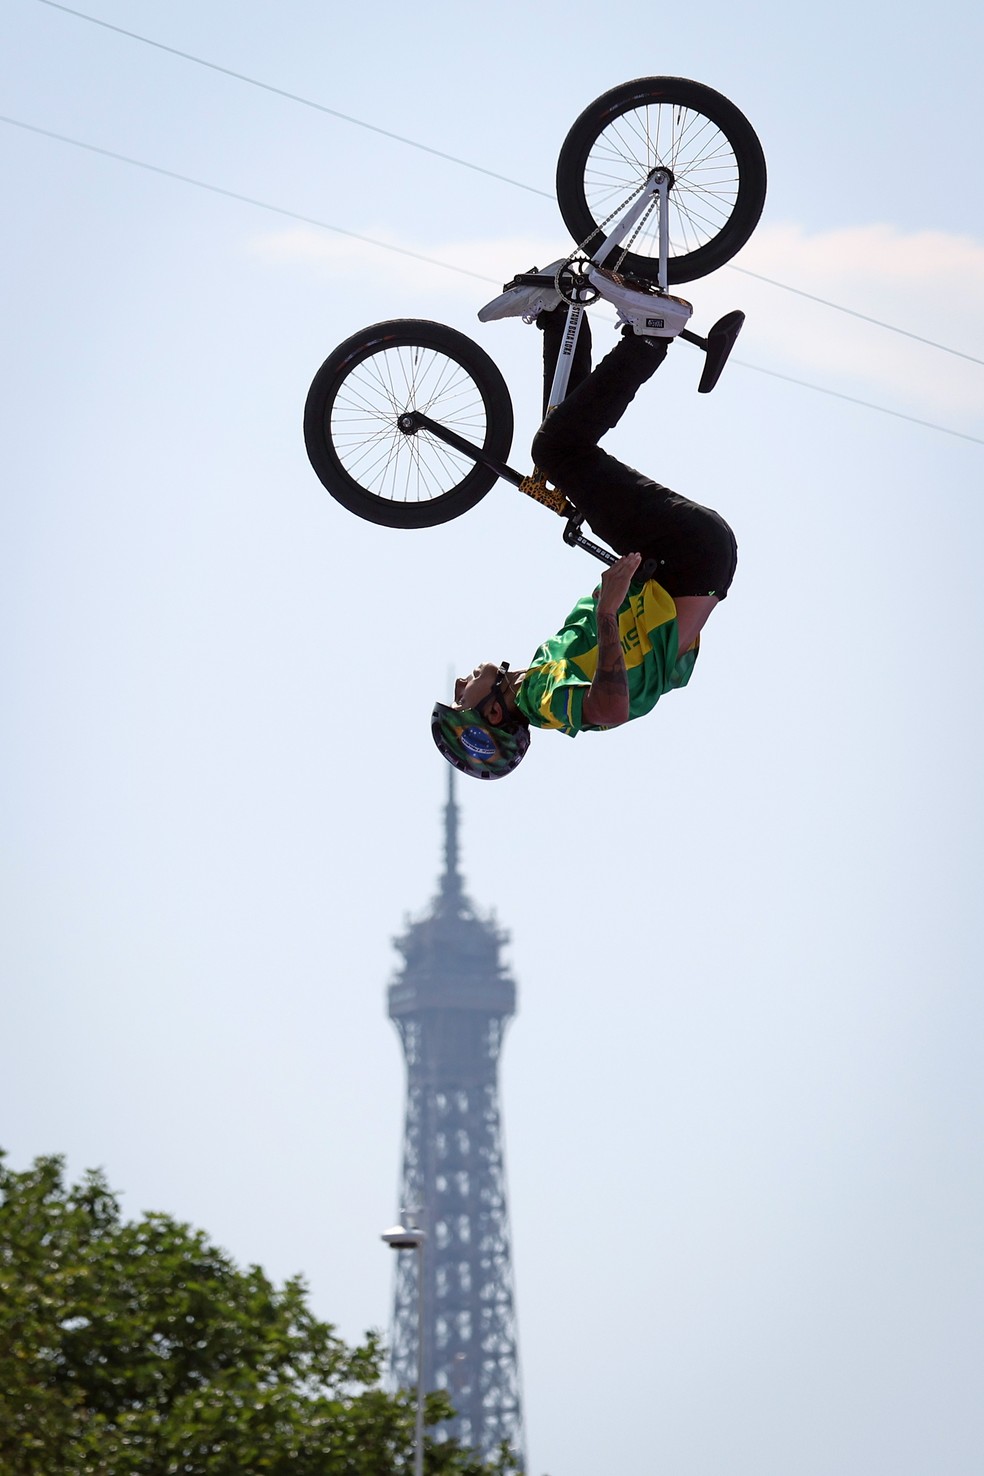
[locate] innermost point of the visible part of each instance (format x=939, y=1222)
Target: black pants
x=693, y=547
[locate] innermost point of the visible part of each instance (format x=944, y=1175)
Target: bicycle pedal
x=536, y=487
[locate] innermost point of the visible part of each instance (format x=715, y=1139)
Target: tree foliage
x=140, y=1349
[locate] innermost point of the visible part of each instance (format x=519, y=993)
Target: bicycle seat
x=720, y=342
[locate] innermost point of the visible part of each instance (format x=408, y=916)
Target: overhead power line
x=305, y=102
x=852, y=313
x=202, y=184
x=468, y=164
x=854, y=400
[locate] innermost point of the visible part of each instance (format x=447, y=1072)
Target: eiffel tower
x=451, y=1001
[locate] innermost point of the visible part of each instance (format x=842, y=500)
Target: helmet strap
x=496, y=692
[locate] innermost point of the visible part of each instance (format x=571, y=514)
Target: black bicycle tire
x=344, y=470
x=719, y=248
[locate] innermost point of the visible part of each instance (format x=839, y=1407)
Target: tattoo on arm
x=609, y=693
x=611, y=662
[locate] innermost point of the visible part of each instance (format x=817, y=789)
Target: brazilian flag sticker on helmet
x=478, y=743
x=474, y=746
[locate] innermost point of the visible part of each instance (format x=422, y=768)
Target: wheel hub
x=660, y=173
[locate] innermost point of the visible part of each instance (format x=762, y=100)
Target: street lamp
x=411, y=1237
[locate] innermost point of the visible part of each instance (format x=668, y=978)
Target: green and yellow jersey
x=552, y=692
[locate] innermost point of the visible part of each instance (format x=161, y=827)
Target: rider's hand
x=615, y=583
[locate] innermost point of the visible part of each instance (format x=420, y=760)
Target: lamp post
x=411, y=1237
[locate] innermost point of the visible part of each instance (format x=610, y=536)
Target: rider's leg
x=597, y=402
x=553, y=325
x=693, y=547
x=566, y=445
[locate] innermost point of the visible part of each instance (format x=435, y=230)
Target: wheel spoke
x=364, y=430
x=703, y=163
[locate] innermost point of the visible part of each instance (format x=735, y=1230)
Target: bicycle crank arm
x=412, y=421
x=574, y=536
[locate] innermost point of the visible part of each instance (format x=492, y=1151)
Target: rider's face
x=469, y=690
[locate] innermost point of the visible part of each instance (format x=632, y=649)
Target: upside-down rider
x=635, y=638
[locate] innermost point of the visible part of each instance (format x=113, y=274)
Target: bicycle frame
x=654, y=193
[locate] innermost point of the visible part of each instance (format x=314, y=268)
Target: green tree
x=140, y=1349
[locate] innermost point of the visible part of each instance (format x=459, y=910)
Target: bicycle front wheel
x=715, y=160
x=351, y=423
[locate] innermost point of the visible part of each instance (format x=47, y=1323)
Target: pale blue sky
x=743, y=1096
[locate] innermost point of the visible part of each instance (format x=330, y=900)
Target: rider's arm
x=606, y=703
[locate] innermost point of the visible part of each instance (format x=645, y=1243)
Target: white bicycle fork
x=657, y=190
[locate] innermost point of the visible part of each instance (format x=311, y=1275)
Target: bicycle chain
x=600, y=227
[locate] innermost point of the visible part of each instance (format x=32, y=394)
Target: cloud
x=928, y=283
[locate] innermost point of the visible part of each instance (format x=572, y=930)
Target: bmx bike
x=408, y=423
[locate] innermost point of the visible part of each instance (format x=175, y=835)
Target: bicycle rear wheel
x=715, y=159
x=351, y=426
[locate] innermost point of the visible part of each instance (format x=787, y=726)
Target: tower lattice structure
x=451, y=1001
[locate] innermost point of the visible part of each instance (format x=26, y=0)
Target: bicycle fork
x=657, y=188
